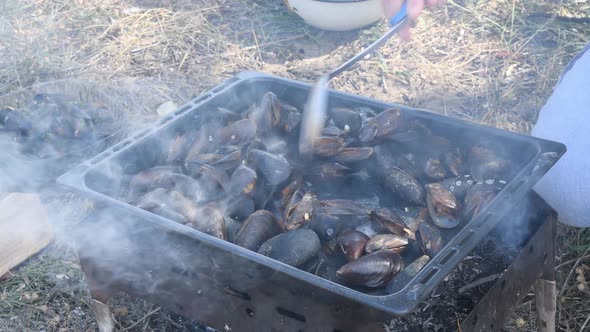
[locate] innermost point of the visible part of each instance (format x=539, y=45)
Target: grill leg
x=545, y=304
x=104, y=318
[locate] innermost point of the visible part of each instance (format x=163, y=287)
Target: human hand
x=415, y=7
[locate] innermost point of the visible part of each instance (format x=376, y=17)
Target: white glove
x=565, y=118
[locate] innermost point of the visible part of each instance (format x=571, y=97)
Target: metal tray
x=247, y=271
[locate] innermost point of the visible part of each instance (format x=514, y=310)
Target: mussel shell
x=301, y=213
x=343, y=207
x=293, y=248
x=404, y=185
x=326, y=226
x=227, y=162
x=443, y=206
x=346, y=118
x=239, y=207
x=380, y=126
x=177, y=148
x=275, y=168
x=238, y=132
x=391, y=242
x=327, y=146
x=232, y=228
x=454, y=161
x=152, y=178
x=262, y=115
x=209, y=221
x=373, y=270
x=328, y=171
x=152, y=199
x=430, y=239
x=242, y=181
x=352, y=243
x=491, y=169
x=316, y=265
x=259, y=227
x=348, y=155
x=434, y=169
x=391, y=221
x=284, y=116
x=479, y=196
x=169, y=214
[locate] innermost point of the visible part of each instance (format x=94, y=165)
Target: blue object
x=400, y=15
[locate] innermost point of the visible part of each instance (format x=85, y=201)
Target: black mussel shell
x=343, y=207
x=380, y=126
x=373, y=270
x=239, y=207
x=169, y=214
x=479, y=196
x=261, y=115
x=491, y=169
x=443, y=206
x=300, y=214
x=434, y=169
x=454, y=161
x=391, y=221
x=177, y=149
x=328, y=171
x=293, y=248
x=242, y=181
x=232, y=228
x=275, y=168
x=152, y=178
x=346, y=119
x=352, y=243
x=259, y=227
x=327, y=146
x=348, y=155
x=237, y=132
x=405, y=186
x=390, y=242
x=326, y=226
x=430, y=239
x=210, y=221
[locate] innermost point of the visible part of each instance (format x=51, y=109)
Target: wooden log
x=545, y=303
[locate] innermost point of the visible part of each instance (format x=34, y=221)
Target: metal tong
x=315, y=109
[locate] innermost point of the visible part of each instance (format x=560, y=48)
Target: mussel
x=352, y=243
x=242, y=181
x=404, y=185
x=259, y=227
x=293, y=248
x=434, y=169
x=373, y=270
x=443, y=206
x=275, y=168
x=209, y=221
x=480, y=195
x=238, y=132
x=348, y=155
x=327, y=146
x=391, y=221
x=380, y=126
x=430, y=239
x=300, y=212
x=390, y=242
x=327, y=227
x=346, y=119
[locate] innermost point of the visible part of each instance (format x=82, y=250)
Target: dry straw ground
x=492, y=61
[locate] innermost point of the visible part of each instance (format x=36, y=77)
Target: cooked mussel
x=328, y=171
x=443, y=206
x=242, y=181
x=404, y=185
x=430, y=239
x=390, y=242
x=346, y=119
x=300, y=212
x=259, y=227
x=348, y=155
x=327, y=146
x=380, y=126
x=480, y=195
x=293, y=248
x=352, y=243
x=275, y=168
x=373, y=270
x=210, y=221
x=326, y=226
x=237, y=132
x=391, y=221
x=434, y=169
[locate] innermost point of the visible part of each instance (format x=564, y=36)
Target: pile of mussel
x=52, y=126
x=377, y=196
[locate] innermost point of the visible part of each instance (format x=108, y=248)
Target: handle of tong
x=400, y=15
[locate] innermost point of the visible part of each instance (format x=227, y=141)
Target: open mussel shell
x=480, y=195
x=382, y=125
x=443, y=206
x=327, y=146
x=293, y=248
x=237, y=132
x=373, y=270
x=300, y=212
x=406, y=186
x=392, y=222
x=454, y=161
x=352, y=243
x=390, y=242
x=430, y=239
x=259, y=227
x=351, y=155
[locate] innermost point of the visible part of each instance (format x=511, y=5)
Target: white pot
x=337, y=16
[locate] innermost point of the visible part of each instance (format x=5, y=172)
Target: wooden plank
x=24, y=229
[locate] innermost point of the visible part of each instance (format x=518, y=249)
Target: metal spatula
x=314, y=112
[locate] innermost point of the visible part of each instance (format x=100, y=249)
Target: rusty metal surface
x=537, y=259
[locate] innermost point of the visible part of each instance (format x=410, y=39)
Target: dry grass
x=492, y=61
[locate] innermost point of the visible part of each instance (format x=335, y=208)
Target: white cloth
x=565, y=118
